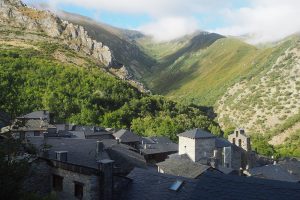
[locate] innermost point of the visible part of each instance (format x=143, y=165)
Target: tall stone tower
x=197, y=144
x=239, y=138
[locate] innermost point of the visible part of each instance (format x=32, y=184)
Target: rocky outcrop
x=17, y=14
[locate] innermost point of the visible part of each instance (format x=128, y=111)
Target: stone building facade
x=196, y=148
x=240, y=139
x=203, y=147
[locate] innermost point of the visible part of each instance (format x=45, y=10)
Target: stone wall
x=187, y=146
x=91, y=188
x=204, y=148
x=236, y=137
x=236, y=161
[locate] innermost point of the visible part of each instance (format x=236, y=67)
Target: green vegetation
x=202, y=75
x=288, y=123
x=261, y=145
x=12, y=172
x=291, y=147
x=32, y=81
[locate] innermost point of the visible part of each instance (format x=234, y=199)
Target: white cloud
x=263, y=20
x=170, y=28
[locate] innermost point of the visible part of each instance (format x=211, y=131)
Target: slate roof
x=161, y=140
x=196, y=133
x=146, y=140
x=126, y=136
x=221, y=142
x=41, y=114
x=80, y=151
x=87, y=129
x=149, y=185
x=62, y=127
x=159, y=148
x=83, y=151
x=274, y=172
x=182, y=167
x=292, y=166
x=34, y=125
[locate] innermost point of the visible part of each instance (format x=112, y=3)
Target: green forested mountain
x=33, y=79
x=70, y=70
x=252, y=87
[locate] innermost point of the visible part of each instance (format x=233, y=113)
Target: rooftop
x=83, y=151
x=159, y=148
x=33, y=125
x=196, y=133
x=126, y=136
x=182, y=167
x=150, y=185
x=274, y=172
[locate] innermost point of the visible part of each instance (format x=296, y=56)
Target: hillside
x=121, y=42
x=251, y=87
x=266, y=100
x=70, y=74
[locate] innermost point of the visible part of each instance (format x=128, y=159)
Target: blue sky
x=264, y=20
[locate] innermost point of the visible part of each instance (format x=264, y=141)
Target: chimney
x=106, y=179
x=99, y=148
x=62, y=156
x=66, y=127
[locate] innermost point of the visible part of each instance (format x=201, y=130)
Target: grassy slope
x=201, y=76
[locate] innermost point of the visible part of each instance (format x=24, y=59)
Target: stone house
x=34, y=124
x=81, y=168
x=154, y=153
x=127, y=137
x=203, y=147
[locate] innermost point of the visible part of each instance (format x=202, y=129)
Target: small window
x=240, y=142
x=236, y=133
x=233, y=140
x=57, y=183
x=37, y=133
x=176, y=185
x=78, y=190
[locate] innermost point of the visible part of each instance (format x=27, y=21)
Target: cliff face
x=15, y=13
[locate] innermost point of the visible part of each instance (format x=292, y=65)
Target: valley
x=254, y=87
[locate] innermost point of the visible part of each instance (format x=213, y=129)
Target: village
x=90, y=162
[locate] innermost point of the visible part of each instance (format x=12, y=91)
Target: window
x=57, y=183
x=240, y=142
x=36, y=133
x=236, y=133
x=78, y=190
x=176, y=185
x=233, y=140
